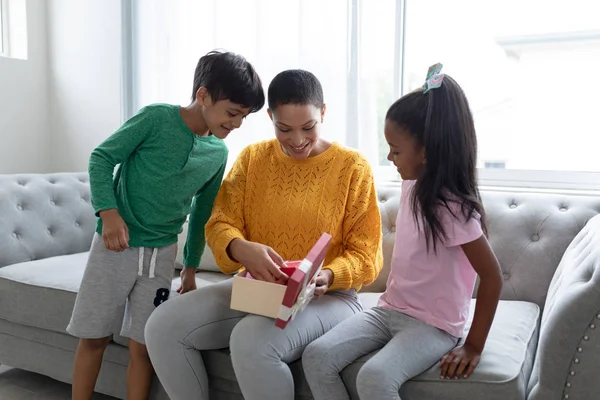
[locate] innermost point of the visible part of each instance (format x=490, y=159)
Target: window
x=526, y=69
x=528, y=74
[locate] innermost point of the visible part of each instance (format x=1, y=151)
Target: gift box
x=281, y=301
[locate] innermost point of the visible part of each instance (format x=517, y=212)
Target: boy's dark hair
x=295, y=86
x=228, y=76
x=441, y=121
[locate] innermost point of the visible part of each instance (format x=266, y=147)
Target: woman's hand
x=460, y=362
x=323, y=280
x=261, y=261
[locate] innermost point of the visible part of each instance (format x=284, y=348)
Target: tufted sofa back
x=529, y=233
x=49, y=215
x=43, y=216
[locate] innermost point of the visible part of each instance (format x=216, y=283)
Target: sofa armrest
x=566, y=365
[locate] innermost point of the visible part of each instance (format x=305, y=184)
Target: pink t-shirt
x=435, y=288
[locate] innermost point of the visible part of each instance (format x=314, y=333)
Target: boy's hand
x=260, y=260
x=188, y=280
x=114, y=230
x=460, y=362
x=323, y=280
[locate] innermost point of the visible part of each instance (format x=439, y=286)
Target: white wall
x=84, y=54
x=24, y=122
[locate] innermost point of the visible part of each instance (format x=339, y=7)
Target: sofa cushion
x=505, y=366
x=42, y=293
x=44, y=216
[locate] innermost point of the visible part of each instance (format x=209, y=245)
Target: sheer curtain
x=348, y=46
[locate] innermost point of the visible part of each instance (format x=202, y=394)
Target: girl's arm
x=463, y=360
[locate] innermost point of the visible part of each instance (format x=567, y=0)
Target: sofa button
x=77, y=225
x=576, y=361
x=572, y=373
x=535, y=237
x=49, y=232
x=15, y=235
x=569, y=384
x=393, y=229
x=20, y=207
x=592, y=326
x=513, y=205
x=52, y=202
x=563, y=209
x=21, y=183
x=579, y=350
x=506, y=276
x=586, y=338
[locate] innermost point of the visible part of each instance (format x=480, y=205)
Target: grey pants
x=202, y=320
x=408, y=348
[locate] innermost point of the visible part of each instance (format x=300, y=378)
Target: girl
x=440, y=249
x=278, y=199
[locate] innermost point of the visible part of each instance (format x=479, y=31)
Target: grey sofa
x=544, y=344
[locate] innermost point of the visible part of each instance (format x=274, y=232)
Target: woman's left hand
x=460, y=362
x=323, y=280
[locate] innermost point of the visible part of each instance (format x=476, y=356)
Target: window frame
x=4, y=29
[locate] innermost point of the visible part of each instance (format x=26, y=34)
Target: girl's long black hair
x=441, y=121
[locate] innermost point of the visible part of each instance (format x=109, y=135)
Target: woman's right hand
x=114, y=230
x=261, y=261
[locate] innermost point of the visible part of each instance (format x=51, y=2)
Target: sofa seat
x=505, y=366
x=42, y=293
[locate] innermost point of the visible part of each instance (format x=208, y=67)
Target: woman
x=278, y=199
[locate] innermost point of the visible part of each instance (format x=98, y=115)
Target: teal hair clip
x=434, y=78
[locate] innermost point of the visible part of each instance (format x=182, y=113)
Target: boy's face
x=297, y=127
x=223, y=116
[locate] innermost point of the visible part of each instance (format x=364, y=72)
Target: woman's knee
x=161, y=322
x=249, y=340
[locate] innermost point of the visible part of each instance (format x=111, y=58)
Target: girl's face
x=297, y=127
x=405, y=152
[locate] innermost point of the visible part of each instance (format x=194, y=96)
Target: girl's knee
x=374, y=381
x=313, y=355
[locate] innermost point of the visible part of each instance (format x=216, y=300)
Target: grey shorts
x=139, y=277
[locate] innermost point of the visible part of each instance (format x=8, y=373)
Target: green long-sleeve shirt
x=165, y=173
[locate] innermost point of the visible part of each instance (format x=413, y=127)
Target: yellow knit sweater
x=270, y=198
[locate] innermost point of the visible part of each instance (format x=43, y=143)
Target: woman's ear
x=323, y=112
x=270, y=113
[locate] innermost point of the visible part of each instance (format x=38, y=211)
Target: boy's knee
x=138, y=351
x=95, y=344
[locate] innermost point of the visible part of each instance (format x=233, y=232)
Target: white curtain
x=348, y=46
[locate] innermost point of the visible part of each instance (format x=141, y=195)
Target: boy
x=172, y=161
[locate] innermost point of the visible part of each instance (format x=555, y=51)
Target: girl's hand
x=323, y=280
x=261, y=261
x=114, y=230
x=460, y=362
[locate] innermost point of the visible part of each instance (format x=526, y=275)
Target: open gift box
x=281, y=301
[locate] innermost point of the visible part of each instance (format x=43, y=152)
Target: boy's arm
x=227, y=220
x=463, y=360
x=362, y=259
x=115, y=150
x=201, y=209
